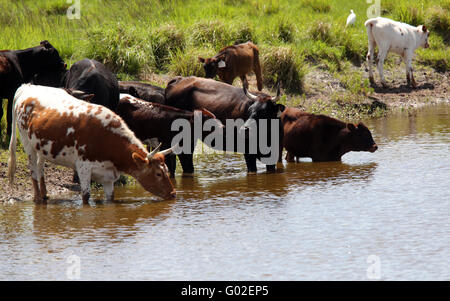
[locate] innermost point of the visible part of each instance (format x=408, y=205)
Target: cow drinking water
x=322, y=138
x=88, y=138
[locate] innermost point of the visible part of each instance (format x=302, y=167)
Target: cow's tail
x=13, y=144
x=257, y=68
x=369, y=25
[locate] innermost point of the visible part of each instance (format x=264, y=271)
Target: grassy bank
x=147, y=39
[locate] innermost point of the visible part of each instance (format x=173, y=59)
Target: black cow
x=228, y=102
x=19, y=66
x=89, y=76
x=143, y=91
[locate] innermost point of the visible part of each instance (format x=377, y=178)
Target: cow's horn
x=169, y=150
x=250, y=95
x=276, y=98
x=153, y=152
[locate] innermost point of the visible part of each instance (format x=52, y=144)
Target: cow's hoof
x=188, y=174
x=251, y=172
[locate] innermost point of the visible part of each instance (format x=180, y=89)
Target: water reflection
x=113, y=220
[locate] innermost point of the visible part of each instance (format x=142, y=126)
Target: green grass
x=140, y=37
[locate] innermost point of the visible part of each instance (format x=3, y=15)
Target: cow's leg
x=370, y=59
x=409, y=70
x=382, y=53
x=187, y=163
x=257, y=70
x=271, y=168
x=40, y=169
x=84, y=173
x=290, y=157
x=244, y=81
x=171, y=162
x=33, y=165
x=250, y=160
x=108, y=188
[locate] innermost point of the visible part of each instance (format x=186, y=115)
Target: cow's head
x=47, y=57
x=152, y=173
x=361, y=138
x=51, y=78
x=264, y=107
x=423, y=35
x=211, y=65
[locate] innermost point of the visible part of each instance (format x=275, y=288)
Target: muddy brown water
x=382, y=216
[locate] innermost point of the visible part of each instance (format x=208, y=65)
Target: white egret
x=351, y=18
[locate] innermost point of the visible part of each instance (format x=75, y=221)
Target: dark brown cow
x=152, y=120
x=142, y=91
x=322, y=138
x=19, y=66
x=233, y=61
x=226, y=102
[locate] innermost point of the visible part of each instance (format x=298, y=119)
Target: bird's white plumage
x=351, y=18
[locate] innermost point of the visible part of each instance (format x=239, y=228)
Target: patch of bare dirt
x=58, y=181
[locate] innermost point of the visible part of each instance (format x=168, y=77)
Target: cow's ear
x=139, y=160
x=47, y=46
x=424, y=28
x=201, y=60
x=281, y=107
x=351, y=126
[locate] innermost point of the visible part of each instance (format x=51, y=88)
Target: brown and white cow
x=322, y=138
x=233, y=61
x=88, y=138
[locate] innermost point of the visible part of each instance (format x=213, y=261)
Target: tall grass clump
x=266, y=7
x=123, y=49
x=243, y=32
x=321, y=6
x=166, y=40
x=409, y=14
x=285, y=31
x=282, y=64
x=438, y=20
x=321, y=31
x=185, y=63
x=214, y=33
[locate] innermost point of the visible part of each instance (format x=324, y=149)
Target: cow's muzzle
x=373, y=148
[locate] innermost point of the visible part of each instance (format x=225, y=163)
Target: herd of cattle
x=83, y=118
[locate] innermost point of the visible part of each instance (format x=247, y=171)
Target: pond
x=382, y=215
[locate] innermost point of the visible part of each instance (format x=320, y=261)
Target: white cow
x=392, y=36
x=89, y=138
